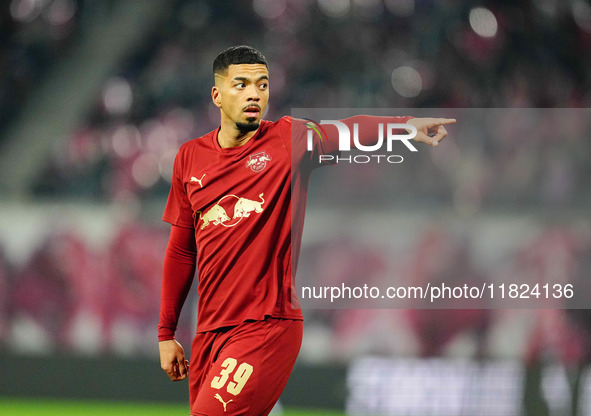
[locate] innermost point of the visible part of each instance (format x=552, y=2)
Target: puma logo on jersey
x=194, y=179
x=241, y=207
x=217, y=396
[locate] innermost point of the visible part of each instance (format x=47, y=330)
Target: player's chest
x=236, y=182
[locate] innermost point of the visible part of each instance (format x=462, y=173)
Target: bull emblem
x=216, y=215
x=244, y=207
x=258, y=161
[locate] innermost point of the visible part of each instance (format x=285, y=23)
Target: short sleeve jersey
x=239, y=202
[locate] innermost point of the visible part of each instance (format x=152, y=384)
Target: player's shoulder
x=293, y=122
x=196, y=143
x=285, y=123
x=273, y=129
x=282, y=122
x=289, y=121
x=285, y=119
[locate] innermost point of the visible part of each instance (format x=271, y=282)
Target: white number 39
x=240, y=377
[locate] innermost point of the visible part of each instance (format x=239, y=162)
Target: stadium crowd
x=390, y=54
x=34, y=35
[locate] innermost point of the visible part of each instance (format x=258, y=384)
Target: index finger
x=445, y=121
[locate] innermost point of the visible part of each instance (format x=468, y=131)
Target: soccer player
x=230, y=209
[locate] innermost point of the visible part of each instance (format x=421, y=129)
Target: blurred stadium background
x=96, y=96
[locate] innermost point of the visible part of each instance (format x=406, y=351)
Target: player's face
x=242, y=93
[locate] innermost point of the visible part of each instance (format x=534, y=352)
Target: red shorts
x=242, y=370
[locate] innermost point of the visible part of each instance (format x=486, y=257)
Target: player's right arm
x=178, y=273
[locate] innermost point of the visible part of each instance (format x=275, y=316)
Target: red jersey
x=246, y=205
x=239, y=202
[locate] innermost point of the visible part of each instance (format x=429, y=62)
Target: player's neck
x=230, y=136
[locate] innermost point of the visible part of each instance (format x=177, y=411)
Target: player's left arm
x=429, y=130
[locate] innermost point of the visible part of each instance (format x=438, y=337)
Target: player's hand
x=430, y=130
x=172, y=360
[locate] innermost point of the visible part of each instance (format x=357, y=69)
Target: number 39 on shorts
x=239, y=377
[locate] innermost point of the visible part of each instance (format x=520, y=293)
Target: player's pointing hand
x=430, y=130
x=172, y=360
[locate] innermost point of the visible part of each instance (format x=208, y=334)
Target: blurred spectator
x=135, y=269
x=559, y=336
x=46, y=292
x=70, y=295
x=442, y=258
x=334, y=264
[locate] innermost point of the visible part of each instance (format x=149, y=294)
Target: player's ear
x=215, y=96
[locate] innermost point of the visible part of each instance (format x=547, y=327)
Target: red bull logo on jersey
x=258, y=161
x=216, y=215
x=239, y=207
x=244, y=207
